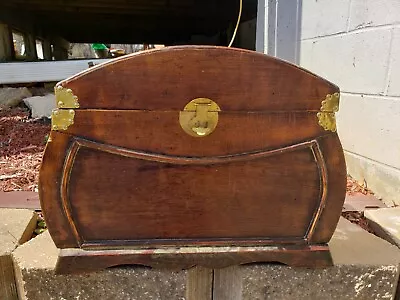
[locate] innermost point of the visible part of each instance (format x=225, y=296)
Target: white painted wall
x=356, y=45
x=278, y=28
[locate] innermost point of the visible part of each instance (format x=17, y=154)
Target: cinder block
x=34, y=262
x=382, y=179
x=306, y=53
x=366, y=267
x=323, y=17
x=394, y=72
x=368, y=13
x=356, y=62
x=385, y=222
x=16, y=227
x=370, y=127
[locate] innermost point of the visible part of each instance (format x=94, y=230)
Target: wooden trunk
x=193, y=155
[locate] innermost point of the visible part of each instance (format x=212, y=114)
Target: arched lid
x=167, y=79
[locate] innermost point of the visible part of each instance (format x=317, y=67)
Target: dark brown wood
x=167, y=79
x=235, y=133
x=125, y=174
x=75, y=261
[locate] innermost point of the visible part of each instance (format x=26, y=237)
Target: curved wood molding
x=78, y=144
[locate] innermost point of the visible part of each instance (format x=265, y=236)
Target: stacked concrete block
x=356, y=44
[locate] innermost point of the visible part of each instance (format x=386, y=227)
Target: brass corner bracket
x=65, y=98
x=63, y=116
x=61, y=119
x=326, y=116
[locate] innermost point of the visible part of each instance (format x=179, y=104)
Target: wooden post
x=227, y=284
x=6, y=44
x=199, y=284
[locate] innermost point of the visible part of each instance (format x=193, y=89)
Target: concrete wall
x=356, y=45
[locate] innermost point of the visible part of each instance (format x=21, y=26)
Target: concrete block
x=394, y=70
x=366, y=267
x=306, y=54
x=324, y=17
x=11, y=97
x=356, y=62
x=36, y=279
x=370, y=127
x=369, y=13
x=382, y=179
x=16, y=227
x=41, y=106
x=386, y=223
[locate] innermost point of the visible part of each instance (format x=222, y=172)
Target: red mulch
x=353, y=187
x=356, y=217
x=22, y=142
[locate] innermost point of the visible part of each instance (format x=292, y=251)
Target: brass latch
x=199, y=118
x=326, y=116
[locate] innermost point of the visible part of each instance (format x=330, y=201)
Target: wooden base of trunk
x=73, y=261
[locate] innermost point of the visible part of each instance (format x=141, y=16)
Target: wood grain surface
x=167, y=79
x=126, y=175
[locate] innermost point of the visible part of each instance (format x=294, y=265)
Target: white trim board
x=43, y=71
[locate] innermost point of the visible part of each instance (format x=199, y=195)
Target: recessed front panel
x=142, y=198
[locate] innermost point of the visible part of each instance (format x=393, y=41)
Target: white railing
x=43, y=71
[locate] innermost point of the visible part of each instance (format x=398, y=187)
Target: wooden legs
x=72, y=261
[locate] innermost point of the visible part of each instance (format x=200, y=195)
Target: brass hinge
x=65, y=98
x=326, y=116
x=61, y=119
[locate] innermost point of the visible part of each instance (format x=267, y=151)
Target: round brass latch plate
x=199, y=118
